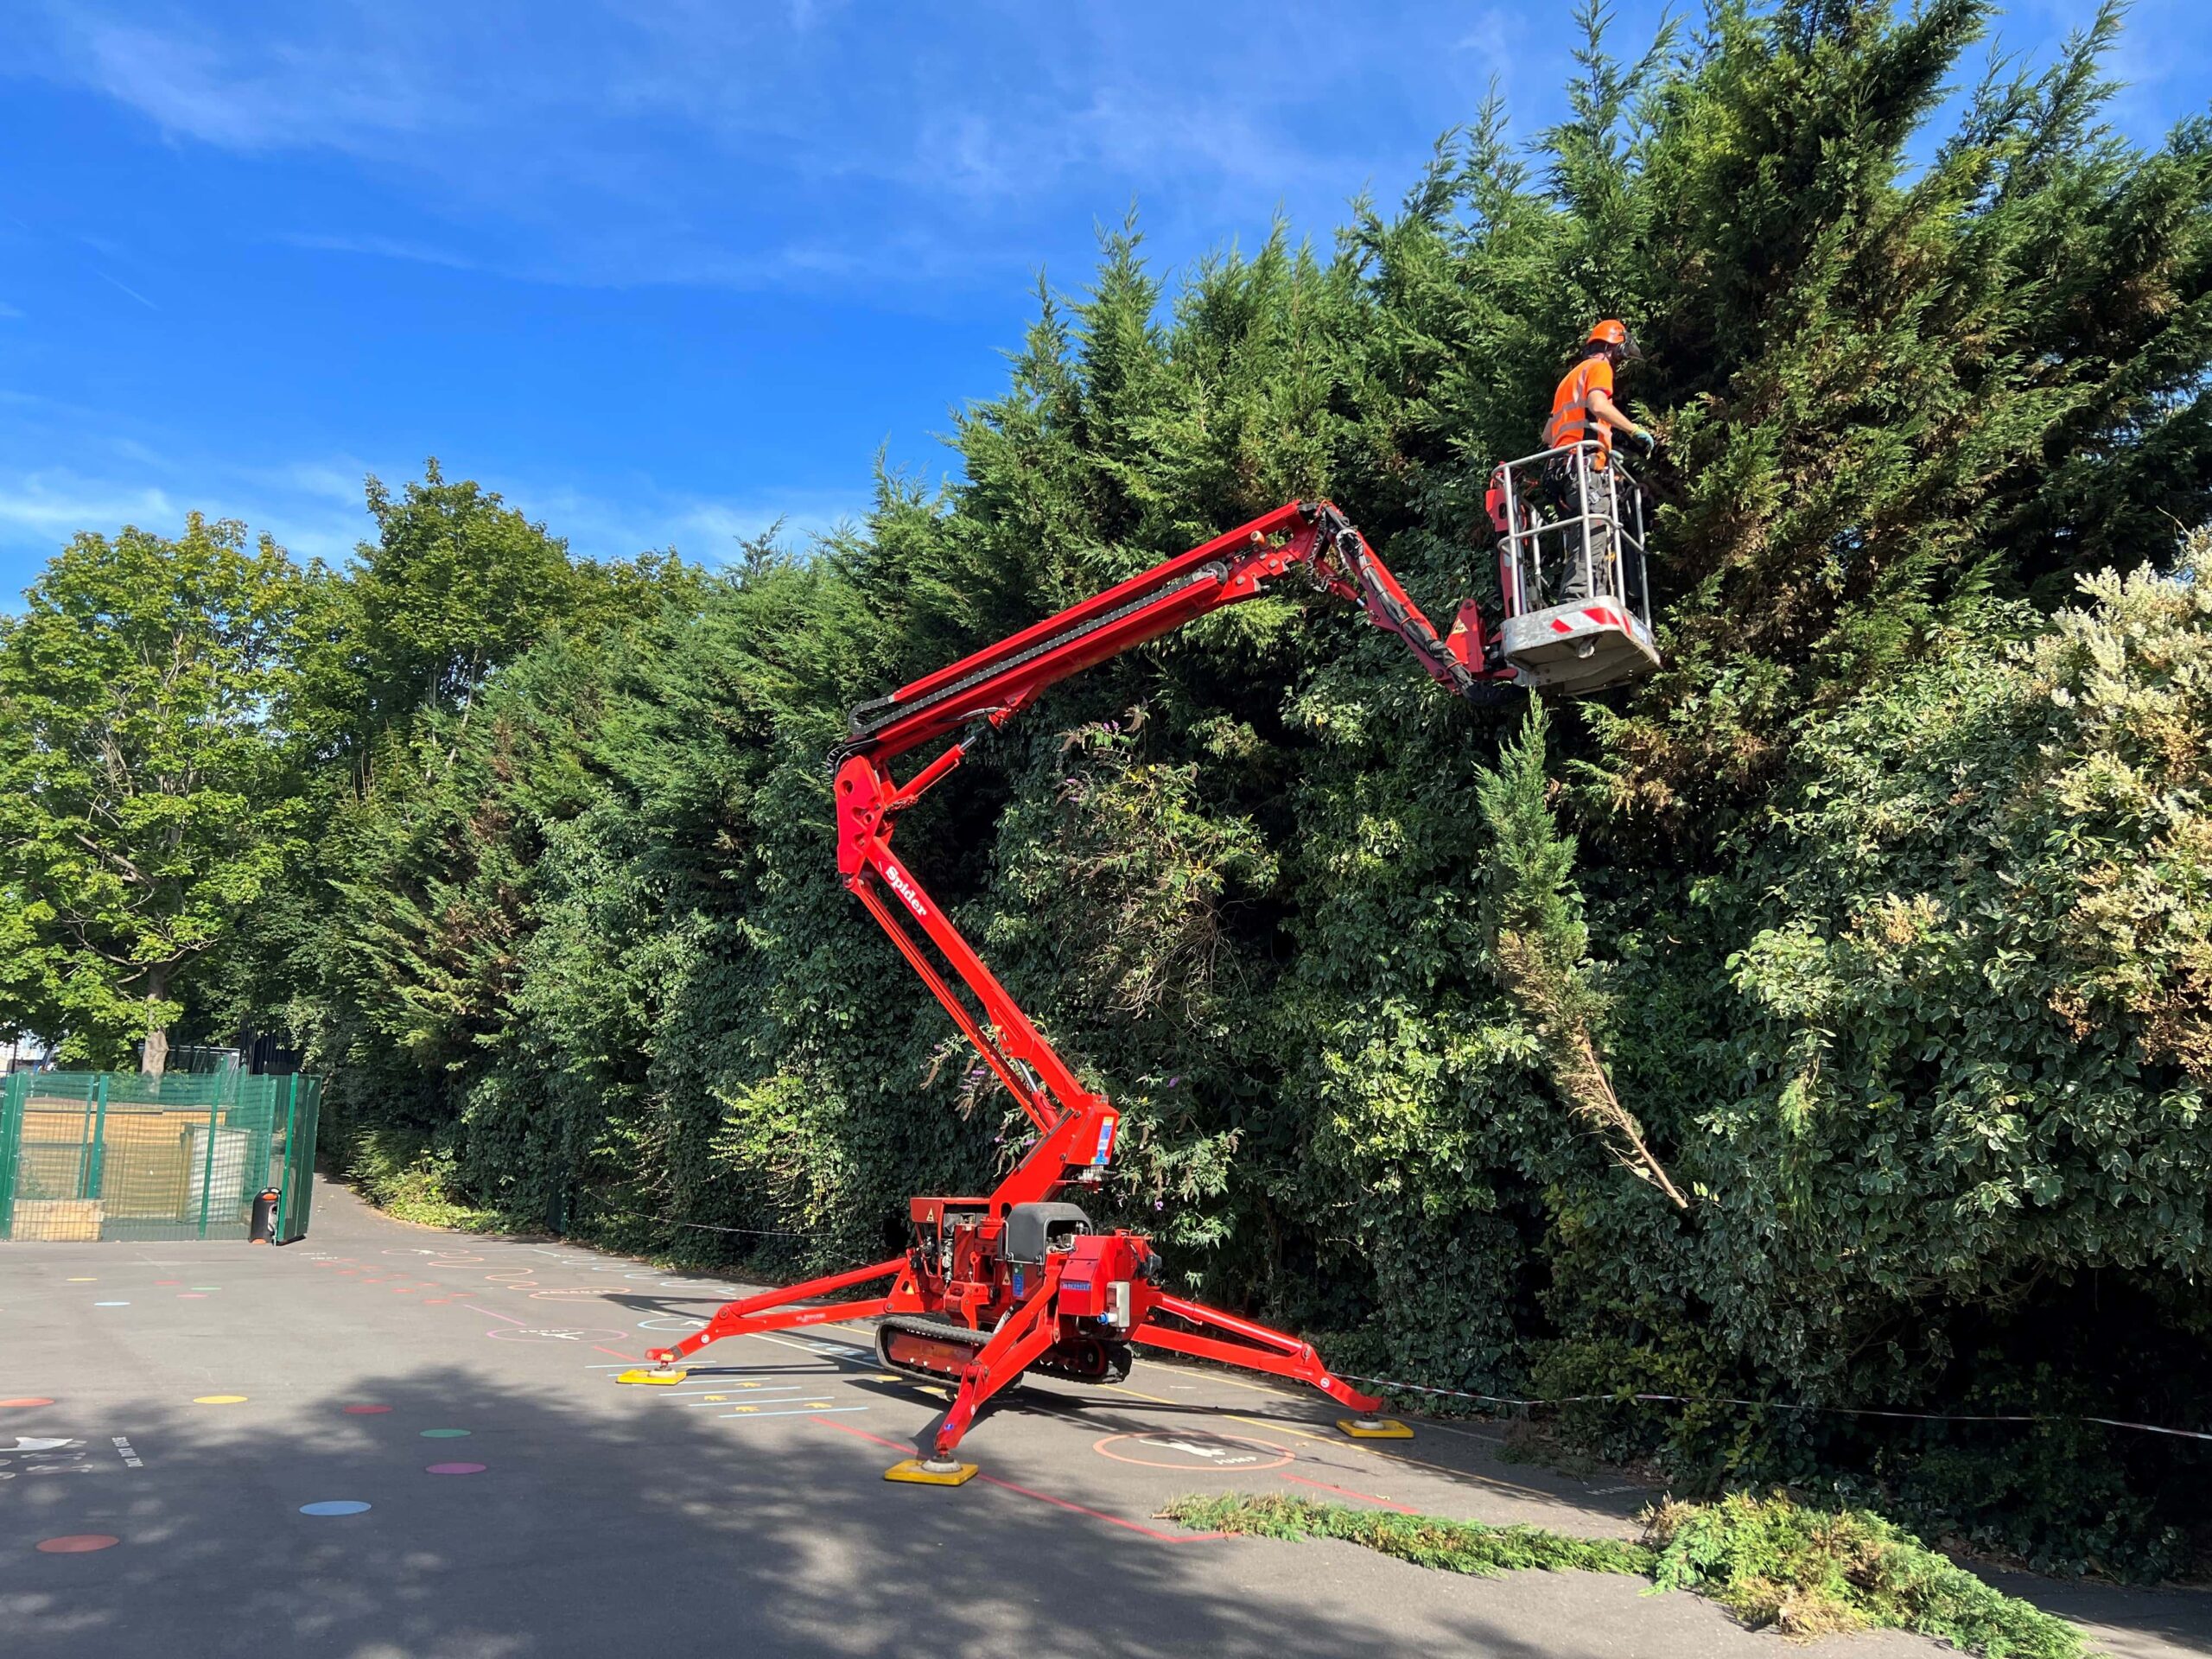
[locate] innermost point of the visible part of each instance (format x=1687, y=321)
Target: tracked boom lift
x=1020, y=1279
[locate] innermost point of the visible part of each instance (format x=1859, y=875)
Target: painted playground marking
x=124, y=1450
x=78, y=1543
x=1196, y=1450
x=335, y=1506
x=219, y=1400
x=48, y=1454
x=110, y=1303
x=556, y=1333
x=445, y=1434
x=366, y=1411
x=24, y=1404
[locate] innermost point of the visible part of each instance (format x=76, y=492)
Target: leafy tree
x=456, y=585
x=144, y=801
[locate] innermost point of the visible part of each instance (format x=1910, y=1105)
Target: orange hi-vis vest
x=1571, y=421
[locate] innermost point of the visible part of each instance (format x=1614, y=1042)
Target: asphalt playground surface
x=388, y=1442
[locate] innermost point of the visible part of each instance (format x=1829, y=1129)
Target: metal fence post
x=291, y=1150
x=95, y=1160
x=208, y=1165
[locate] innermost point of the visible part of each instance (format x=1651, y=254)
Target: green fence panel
x=86, y=1155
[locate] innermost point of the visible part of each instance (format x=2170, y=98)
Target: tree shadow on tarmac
x=605, y=1528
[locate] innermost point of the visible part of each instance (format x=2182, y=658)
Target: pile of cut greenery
x=1771, y=1561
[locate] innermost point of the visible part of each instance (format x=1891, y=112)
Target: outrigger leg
x=771, y=1310
x=1262, y=1350
x=1021, y=1339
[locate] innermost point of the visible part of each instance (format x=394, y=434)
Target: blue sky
x=659, y=273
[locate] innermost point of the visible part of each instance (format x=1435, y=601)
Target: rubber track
x=923, y=1325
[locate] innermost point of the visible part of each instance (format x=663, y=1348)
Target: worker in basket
x=1583, y=411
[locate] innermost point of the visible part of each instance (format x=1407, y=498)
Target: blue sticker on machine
x=1105, y=1140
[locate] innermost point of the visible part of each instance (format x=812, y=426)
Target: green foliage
x=1809, y=1573
x=1425, y=1539
x=410, y=1182
x=1538, y=944
x=145, y=806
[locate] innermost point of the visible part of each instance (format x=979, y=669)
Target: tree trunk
x=155, y=1057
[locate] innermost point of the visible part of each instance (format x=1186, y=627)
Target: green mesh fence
x=113, y=1154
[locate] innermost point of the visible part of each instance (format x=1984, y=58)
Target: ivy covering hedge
x=1886, y=904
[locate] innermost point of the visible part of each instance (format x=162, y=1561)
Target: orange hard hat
x=1614, y=332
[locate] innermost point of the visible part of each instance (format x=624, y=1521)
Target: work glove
x=1644, y=441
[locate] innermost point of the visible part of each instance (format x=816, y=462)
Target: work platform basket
x=1570, y=558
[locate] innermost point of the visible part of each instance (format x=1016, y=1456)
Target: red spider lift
x=1018, y=1280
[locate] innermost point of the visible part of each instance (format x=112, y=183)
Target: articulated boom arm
x=1076, y=1127
x=993, y=1287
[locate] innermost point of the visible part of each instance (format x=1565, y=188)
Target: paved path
x=521, y=1506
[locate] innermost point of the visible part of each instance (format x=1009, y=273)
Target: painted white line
x=803, y=1411
x=818, y=1353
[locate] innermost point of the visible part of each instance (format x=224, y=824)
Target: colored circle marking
x=454, y=1469
x=78, y=1543
x=24, y=1404
x=110, y=1303
x=1172, y=1450
x=219, y=1400
x=445, y=1434
x=334, y=1506
x=366, y=1411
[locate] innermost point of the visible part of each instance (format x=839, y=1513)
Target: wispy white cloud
x=9, y=313
x=50, y=507
x=376, y=247
x=286, y=94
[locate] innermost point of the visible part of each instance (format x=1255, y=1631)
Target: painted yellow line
x=1157, y=1399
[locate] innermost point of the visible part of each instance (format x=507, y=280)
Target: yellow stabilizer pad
x=1384, y=1428
x=911, y=1470
x=658, y=1379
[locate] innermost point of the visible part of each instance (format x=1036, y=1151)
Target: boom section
x=1000, y=681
